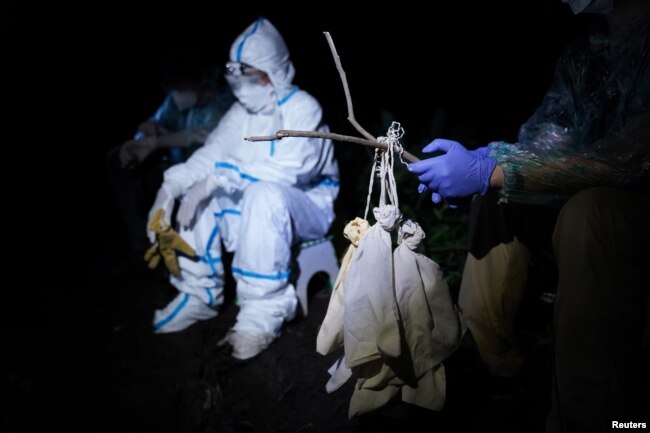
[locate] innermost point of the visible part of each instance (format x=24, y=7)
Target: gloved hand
x=165, y=201
x=168, y=242
x=457, y=173
x=193, y=196
x=480, y=152
x=183, y=138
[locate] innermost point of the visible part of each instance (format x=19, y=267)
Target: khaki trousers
x=601, y=243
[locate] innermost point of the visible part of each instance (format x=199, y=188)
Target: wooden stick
x=370, y=140
x=346, y=88
x=332, y=136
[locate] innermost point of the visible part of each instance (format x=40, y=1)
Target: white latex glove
x=197, y=193
x=165, y=201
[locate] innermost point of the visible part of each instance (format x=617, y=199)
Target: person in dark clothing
x=584, y=159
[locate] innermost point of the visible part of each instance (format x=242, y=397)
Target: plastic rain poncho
x=593, y=127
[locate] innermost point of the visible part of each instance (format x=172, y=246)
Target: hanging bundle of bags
x=391, y=311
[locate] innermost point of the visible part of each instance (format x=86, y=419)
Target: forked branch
x=332, y=136
x=346, y=88
x=370, y=140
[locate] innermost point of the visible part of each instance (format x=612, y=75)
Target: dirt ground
x=100, y=368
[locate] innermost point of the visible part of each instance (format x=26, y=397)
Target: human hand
x=152, y=128
x=133, y=152
x=457, y=173
x=199, y=192
x=183, y=138
x=480, y=152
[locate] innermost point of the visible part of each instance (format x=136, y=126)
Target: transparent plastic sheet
x=536, y=177
x=593, y=126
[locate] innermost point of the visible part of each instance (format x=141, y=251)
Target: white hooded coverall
x=268, y=196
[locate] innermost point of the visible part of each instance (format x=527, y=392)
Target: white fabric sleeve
x=180, y=177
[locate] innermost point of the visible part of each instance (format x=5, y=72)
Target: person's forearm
x=182, y=138
x=150, y=128
x=496, y=179
x=561, y=173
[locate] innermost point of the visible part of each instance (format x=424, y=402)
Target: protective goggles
x=237, y=69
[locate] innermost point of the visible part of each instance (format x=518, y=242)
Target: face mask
x=251, y=93
x=184, y=99
x=590, y=6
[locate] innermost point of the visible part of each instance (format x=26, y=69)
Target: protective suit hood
x=262, y=47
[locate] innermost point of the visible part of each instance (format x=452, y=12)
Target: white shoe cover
x=184, y=310
x=245, y=345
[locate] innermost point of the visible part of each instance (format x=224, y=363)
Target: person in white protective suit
x=258, y=198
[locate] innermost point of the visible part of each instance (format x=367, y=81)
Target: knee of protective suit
x=264, y=313
x=265, y=199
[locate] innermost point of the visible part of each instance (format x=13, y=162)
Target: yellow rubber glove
x=168, y=241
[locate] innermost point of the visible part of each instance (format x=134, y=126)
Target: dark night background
x=81, y=80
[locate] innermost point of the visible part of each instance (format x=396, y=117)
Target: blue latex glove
x=457, y=173
x=452, y=203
